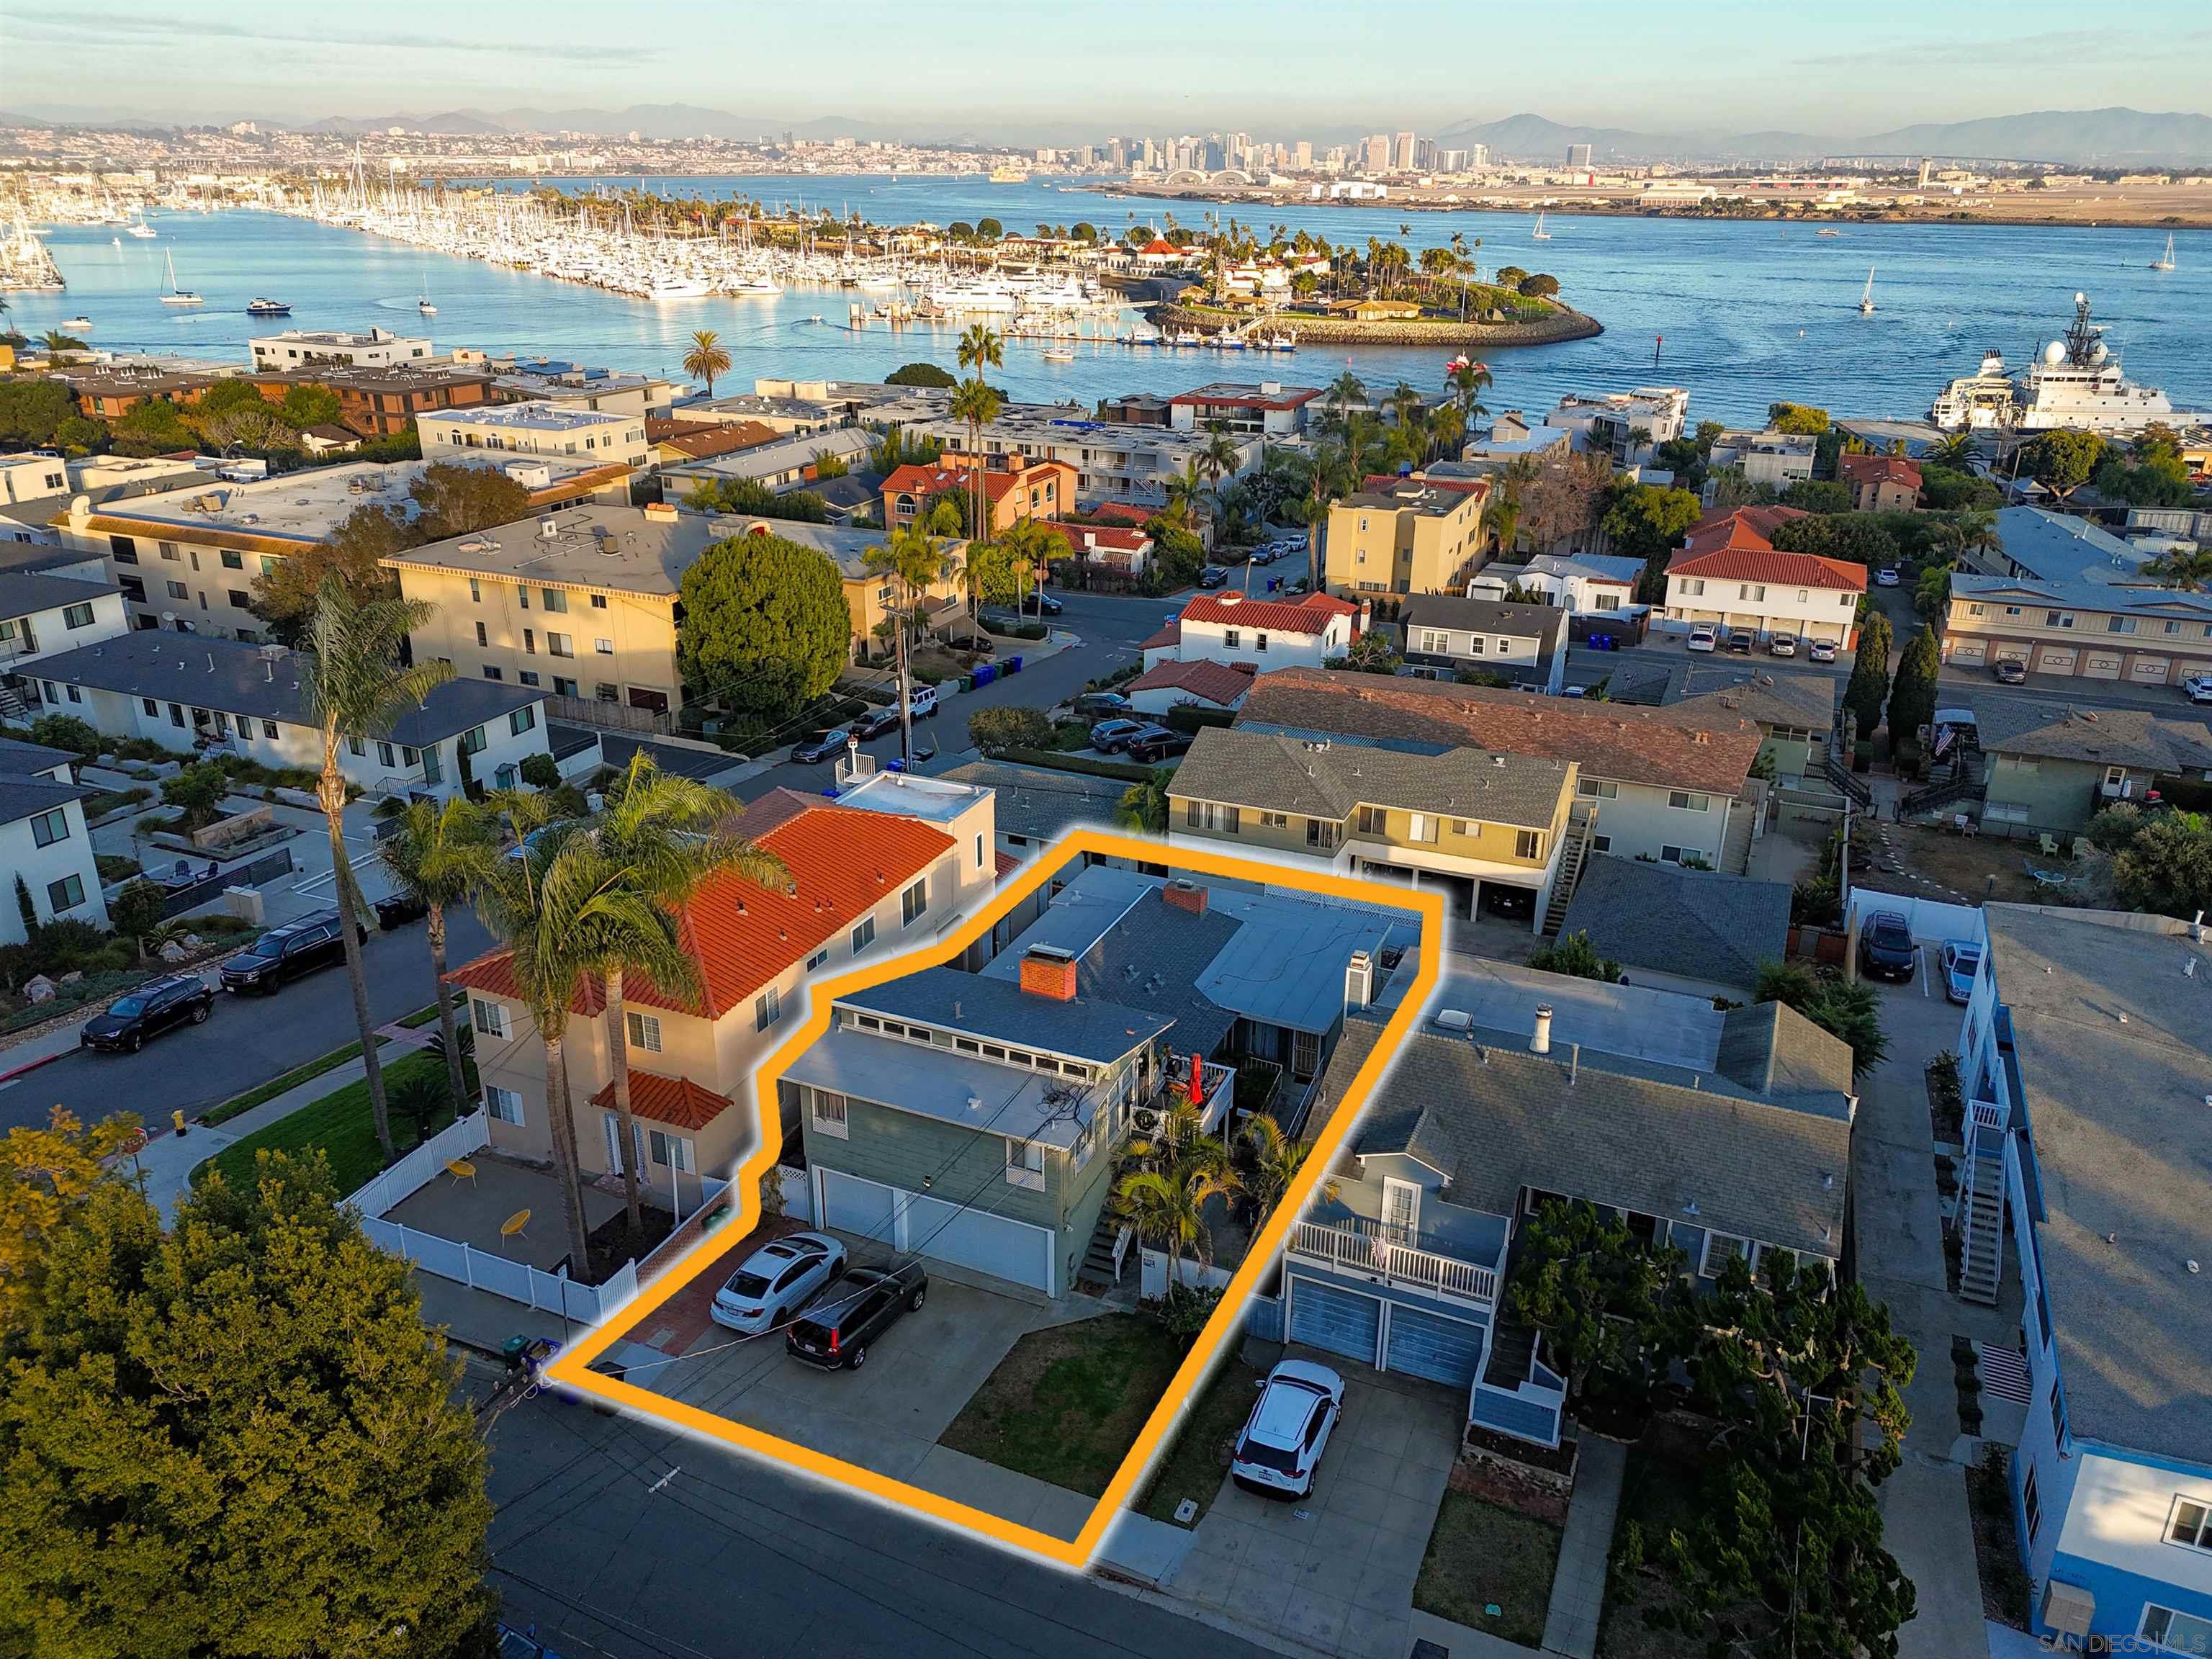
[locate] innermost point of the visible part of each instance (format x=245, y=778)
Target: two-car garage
x=965, y=1235
x=1385, y=1331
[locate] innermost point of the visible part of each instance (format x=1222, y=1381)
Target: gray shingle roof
x=1313, y=776
x=1088, y=1027
x=1700, y=924
x=21, y=758
x=2102, y=736
x=1792, y=699
x=23, y=592
x=2125, y=1172
x=203, y=672
x=1539, y=621
x=22, y=796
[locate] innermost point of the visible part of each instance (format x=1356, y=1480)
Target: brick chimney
x=1047, y=972
x=1185, y=896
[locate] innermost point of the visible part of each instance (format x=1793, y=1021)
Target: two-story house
x=1723, y=1134
x=1014, y=488
x=1879, y=483
x=2085, y=1052
x=1729, y=575
x=1524, y=644
x=1581, y=583
x=1258, y=634
x=40, y=614
x=859, y=880
x=44, y=840
x=1777, y=459
x=2053, y=767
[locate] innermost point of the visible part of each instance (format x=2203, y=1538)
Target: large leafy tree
x=353, y=684
x=440, y=852
x=1849, y=1010
x=766, y=628
x=453, y=499
x=1869, y=685
x=285, y=593
x=1611, y=1308
x=1645, y=521
x=230, y=1438
x=2063, y=460
x=2166, y=865
x=1857, y=537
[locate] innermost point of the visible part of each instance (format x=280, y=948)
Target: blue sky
x=1279, y=68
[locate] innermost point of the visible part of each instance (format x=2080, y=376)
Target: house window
x=1321, y=834
x=504, y=1104
x=1754, y=591
x=1421, y=828
x=1597, y=788
x=1260, y=642
x=522, y=598
x=179, y=591
x=524, y=718
x=492, y=673
x=240, y=598
x=528, y=677
x=1526, y=843
x=489, y=1018
x=176, y=714
x=529, y=640
x=1675, y=854
x=48, y=827
x=1025, y=1164
x=912, y=902
x=384, y=754
x=77, y=616
x=643, y=1030
x=482, y=638
x=1720, y=1248
x=768, y=1008
x=560, y=645
x=1232, y=639
x=2032, y=1506
x=555, y=599
x=1374, y=820
x=472, y=740
x=563, y=686
x=2059, y=619
x=2191, y=1523
x=599, y=601
x=1436, y=642
x=1683, y=800
x=2182, y=1632
x=668, y=1151
x=149, y=705
x=355, y=746
x=269, y=730
x=604, y=648
x=831, y=1114
x=1605, y=602
x=1602, y=843
x=1692, y=588
x=66, y=894
x=1274, y=820
x=864, y=935
x=818, y=958
x=476, y=591
x=2119, y=624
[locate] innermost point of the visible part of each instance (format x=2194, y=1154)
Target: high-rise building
x=1377, y=158
x=1478, y=156
x=1579, y=155
x=1337, y=158
x=1451, y=160
x=1404, y=153
x=1302, y=156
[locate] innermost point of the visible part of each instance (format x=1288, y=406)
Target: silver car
x=776, y=1281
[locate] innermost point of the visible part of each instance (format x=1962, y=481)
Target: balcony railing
x=1364, y=1249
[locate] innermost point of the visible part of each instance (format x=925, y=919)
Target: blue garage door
x=1342, y=1322
x=1428, y=1345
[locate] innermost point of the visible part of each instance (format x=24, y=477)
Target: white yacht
x=679, y=288
x=2074, y=382
x=140, y=229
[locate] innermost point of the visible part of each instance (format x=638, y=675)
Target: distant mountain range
x=651, y=121
x=2105, y=138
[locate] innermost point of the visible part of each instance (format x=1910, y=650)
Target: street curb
x=28, y=1067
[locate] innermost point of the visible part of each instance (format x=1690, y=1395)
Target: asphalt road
x=248, y=1041
x=736, y=1560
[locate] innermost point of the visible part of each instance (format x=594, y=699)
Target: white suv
x=1281, y=1444
x=1703, y=639
x=2197, y=688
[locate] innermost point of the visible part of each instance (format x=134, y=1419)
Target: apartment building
x=108, y=392
x=590, y=436
x=2051, y=767
x=784, y=464
x=1444, y=634
x=1625, y=426
x=2084, y=1200
x=378, y=401
x=1730, y=576
x=1111, y=461
x=44, y=839
x=1014, y=486
x=195, y=694
x=1267, y=410
x=573, y=385
x=1777, y=459
x=301, y=347
x=1405, y=536
x=860, y=881
x=1510, y=439
x=42, y=613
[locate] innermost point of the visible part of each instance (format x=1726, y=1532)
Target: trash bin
x=1012, y=665
x=985, y=674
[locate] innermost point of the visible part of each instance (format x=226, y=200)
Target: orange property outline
x=572, y=1367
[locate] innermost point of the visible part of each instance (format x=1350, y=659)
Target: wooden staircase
x=1097, y=1266
x=1575, y=849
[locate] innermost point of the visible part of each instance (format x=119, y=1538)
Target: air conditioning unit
x=1146, y=1120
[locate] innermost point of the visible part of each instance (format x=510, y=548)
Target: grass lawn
x=1658, y=1493
x=1482, y=1555
x=341, y=1125
x=1065, y=1404
x=276, y=1085
x=1197, y=1460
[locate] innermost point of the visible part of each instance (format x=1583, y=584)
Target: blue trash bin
x=985, y=674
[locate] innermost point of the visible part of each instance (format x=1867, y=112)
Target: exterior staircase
x=1575, y=849
x=12, y=706
x=1098, y=1256
x=1981, y=1204
x=1511, y=1348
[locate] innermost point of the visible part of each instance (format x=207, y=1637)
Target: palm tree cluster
x=1170, y=1177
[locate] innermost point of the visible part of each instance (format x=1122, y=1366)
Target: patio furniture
x=2082, y=848
x=2048, y=878
x=2048, y=844
x=512, y=1227
x=461, y=1168
x=1965, y=824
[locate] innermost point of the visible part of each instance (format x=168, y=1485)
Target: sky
x=1064, y=69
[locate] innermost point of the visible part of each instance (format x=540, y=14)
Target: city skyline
x=1280, y=72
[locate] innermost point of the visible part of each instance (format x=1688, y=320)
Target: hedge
x=1191, y=717
x=1127, y=771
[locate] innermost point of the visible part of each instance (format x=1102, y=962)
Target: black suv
x=147, y=1011
x=282, y=953
x=834, y=1332
x=1886, y=949
x=1155, y=743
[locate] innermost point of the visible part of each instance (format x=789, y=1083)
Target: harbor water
x=1742, y=312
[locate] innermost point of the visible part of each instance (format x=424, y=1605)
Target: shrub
x=541, y=772
x=993, y=730
x=136, y=911
x=68, y=732
x=1191, y=717
x=197, y=792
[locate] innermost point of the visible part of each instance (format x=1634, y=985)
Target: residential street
x=734, y=1559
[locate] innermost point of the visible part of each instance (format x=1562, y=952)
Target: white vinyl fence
x=1931, y=922
x=1153, y=1275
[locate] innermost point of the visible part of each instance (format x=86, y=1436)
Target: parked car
x=2008, y=670
x=835, y=1331
x=1703, y=639
x=2197, y=688
x=1100, y=705
x=819, y=746
x=1821, y=650
x=1740, y=643
x=1281, y=1443
x=1962, y=960
x=1042, y=603
x=1782, y=645
x=1885, y=577
x=1155, y=743
x=1266, y=555
x=151, y=1009
x=397, y=909
x=776, y=1281
x=922, y=699
x=285, y=953
x=1107, y=736
x=876, y=722
x=1885, y=948
x=1212, y=576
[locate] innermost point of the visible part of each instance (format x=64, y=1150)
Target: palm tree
x=439, y=853
x=706, y=358
x=1328, y=479
x=353, y=684
x=658, y=833
x=1346, y=389
x=1030, y=549
x=917, y=562
x=1276, y=1160
x=1168, y=1208
x=1184, y=491
x=1466, y=380
x=1144, y=807
x=1221, y=454
x=976, y=402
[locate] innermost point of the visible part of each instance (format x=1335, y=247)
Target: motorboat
x=268, y=308
x=77, y=324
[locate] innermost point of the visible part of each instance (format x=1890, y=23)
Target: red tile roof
x=1311, y=615
x=1870, y=469
x=1004, y=864
x=1217, y=682
x=1223, y=397
x=672, y=1100
x=1383, y=482
x=1746, y=526
x=1119, y=538
x=945, y=476
x=843, y=861
x=1171, y=634
x=1123, y=513
x=1735, y=547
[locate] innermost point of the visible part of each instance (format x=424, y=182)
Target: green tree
x=1375, y=652
x=284, y=594
x=916, y=563
x=1573, y=954
x=68, y=732
x=1538, y=286
x=766, y=628
x=354, y=683
x=976, y=402
x=706, y=358
x=137, y=911
x=922, y=375
x=310, y=403
x=1799, y=419
x=2062, y=461
x=1849, y=1010
x=1931, y=594
x=1912, y=697
x=2167, y=865
x=439, y=853
x=33, y=409
x=230, y=1437
x=1869, y=686
x=1144, y=807
x=1609, y=1306
x=1854, y=538
x=1167, y=1206
x=1009, y=726
x=1646, y=521
x=227, y=398
x=454, y=499
x=152, y=427
x=197, y=792
x=990, y=230
x=1818, y=495
x=1272, y=1160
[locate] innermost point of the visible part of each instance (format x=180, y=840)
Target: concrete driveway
x=1335, y=1572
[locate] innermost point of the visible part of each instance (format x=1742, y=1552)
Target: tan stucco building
x=1406, y=536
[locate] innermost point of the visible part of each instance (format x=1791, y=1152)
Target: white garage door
x=2149, y=671
x=853, y=1206
x=2011, y=653
x=2101, y=665
x=975, y=1238
x=1968, y=654
x=2056, y=662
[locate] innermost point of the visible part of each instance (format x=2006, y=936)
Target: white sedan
x=776, y=1281
x=1703, y=639
x=1281, y=1444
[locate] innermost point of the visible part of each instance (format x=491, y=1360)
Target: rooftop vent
x=1540, y=1042
x=548, y=528
x=1454, y=1019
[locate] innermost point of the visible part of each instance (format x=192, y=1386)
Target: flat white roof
x=533, y=417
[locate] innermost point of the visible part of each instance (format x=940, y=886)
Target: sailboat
x=140, y=229
x=2165, y=261
x=1539, y=235
x=178, y=296
x=1866, y=300
x=422, y=300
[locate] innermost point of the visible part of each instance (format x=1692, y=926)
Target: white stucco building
x=44, y=840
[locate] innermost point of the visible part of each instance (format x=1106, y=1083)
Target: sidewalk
x=1570, y=1624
